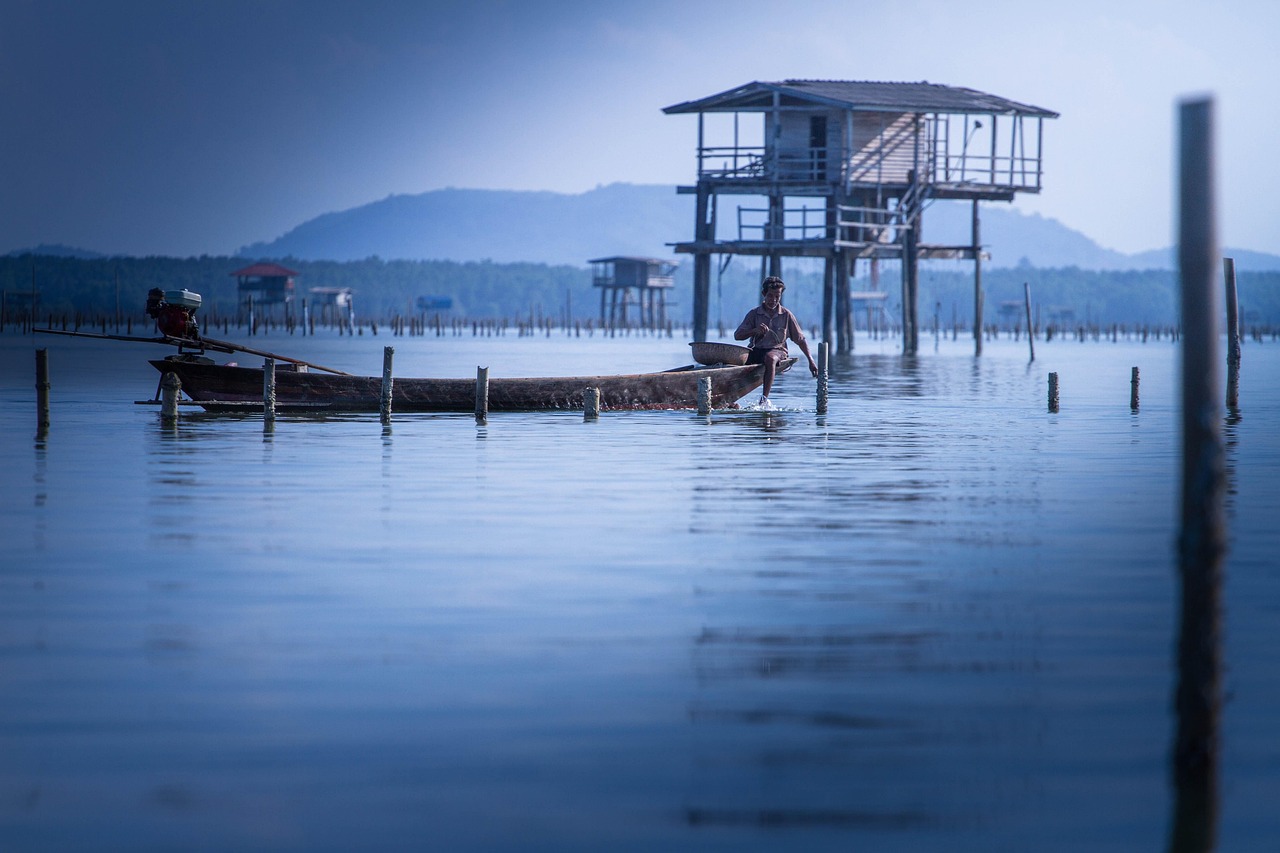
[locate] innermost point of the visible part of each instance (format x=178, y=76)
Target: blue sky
x=190, y=128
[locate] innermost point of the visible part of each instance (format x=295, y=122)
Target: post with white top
x=384, y=408
x=591, y=404
x=704, y=395
x=824, y=355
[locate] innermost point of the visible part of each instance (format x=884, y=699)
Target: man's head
x=771, y=292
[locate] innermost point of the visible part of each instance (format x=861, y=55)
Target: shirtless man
x=769, y=326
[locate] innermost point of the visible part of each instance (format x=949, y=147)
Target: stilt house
x=265, y=284
x=617, y=277
x=845, y=170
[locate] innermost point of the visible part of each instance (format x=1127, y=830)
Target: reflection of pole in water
x=1202, y=540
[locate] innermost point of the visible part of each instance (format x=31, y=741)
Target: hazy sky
x=190, y=128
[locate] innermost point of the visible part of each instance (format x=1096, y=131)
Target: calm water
x=936, y=618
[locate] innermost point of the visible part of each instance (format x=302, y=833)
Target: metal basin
x=710, y=352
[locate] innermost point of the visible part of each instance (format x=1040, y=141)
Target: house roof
x=265, y=270
x=632, y=259
x=860, y=96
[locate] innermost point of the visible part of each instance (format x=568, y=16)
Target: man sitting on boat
x=769, y=326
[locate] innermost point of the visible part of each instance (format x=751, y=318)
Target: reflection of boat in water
x=221, y=387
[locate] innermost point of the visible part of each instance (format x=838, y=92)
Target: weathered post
x=1202, y=540
x=1133, y=390
x=384, y=401
x=824, y=355
x=1053, y=392
x=170, y=388
x=268, y=394
x=482, y=395
x=591, y=404
x=704, y=395
x=977, y=280
x=1031, y=337
x=1233, y=333
x=42, y=392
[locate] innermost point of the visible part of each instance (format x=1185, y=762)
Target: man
x=768, y=327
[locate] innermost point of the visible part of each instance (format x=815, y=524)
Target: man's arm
x=746, y=328
x=797, y=335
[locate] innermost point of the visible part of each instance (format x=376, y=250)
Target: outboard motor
x=174, y=312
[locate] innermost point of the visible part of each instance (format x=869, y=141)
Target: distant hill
x=503, y=226
x=57, y=250
x=507, y=226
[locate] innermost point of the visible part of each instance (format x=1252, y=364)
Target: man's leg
x=771, y=359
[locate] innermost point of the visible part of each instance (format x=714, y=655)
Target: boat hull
x=218, y=387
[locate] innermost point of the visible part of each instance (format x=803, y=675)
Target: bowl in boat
x=710, y=352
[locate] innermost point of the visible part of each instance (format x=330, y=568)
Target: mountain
x=626, y=219
x=503, y=226
x=57, y=250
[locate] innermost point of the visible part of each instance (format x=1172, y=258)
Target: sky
x=186, y=128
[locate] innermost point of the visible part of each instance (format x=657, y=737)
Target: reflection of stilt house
x=265, y=285
x=873, y=156
x=650, y=278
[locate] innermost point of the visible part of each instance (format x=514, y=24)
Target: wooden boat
x=221, y=387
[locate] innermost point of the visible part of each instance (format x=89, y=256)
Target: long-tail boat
x=229, y=387
x=224, y=387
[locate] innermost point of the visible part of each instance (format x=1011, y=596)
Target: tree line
x=483, y=289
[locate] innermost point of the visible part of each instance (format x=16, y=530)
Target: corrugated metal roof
x=861, y=95
x=265, y=270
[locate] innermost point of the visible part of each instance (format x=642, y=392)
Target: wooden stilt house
x=844, y=170
x=265, y=285
x=617, y=277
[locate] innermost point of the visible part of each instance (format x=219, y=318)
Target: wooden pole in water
x=976, y=227
x=482, y=395
x=1133, y=390
x=704, y=395
x=170, y=388
x=1031, y=338
x=1233, y=333
x=269, y=393
x=824, y=355
x=42, y=392
x=591, y=404
x=1202, y=540
x=1053, y=392
x=384, y=404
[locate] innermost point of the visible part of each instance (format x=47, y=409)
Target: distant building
x=334, y=304
x=265, y=284
x=617, y=277
x=871, y=157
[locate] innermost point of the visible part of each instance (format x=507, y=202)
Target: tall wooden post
x=1233, y=333
x=910, y=274
x=384, y=398
x=977, y=280
x=1202, y=540
x=42, y=393
x=828, y=271
x=828, y=300
x=844, y=326
x=702, y=264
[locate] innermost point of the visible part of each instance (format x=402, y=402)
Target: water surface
x=938, y=617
